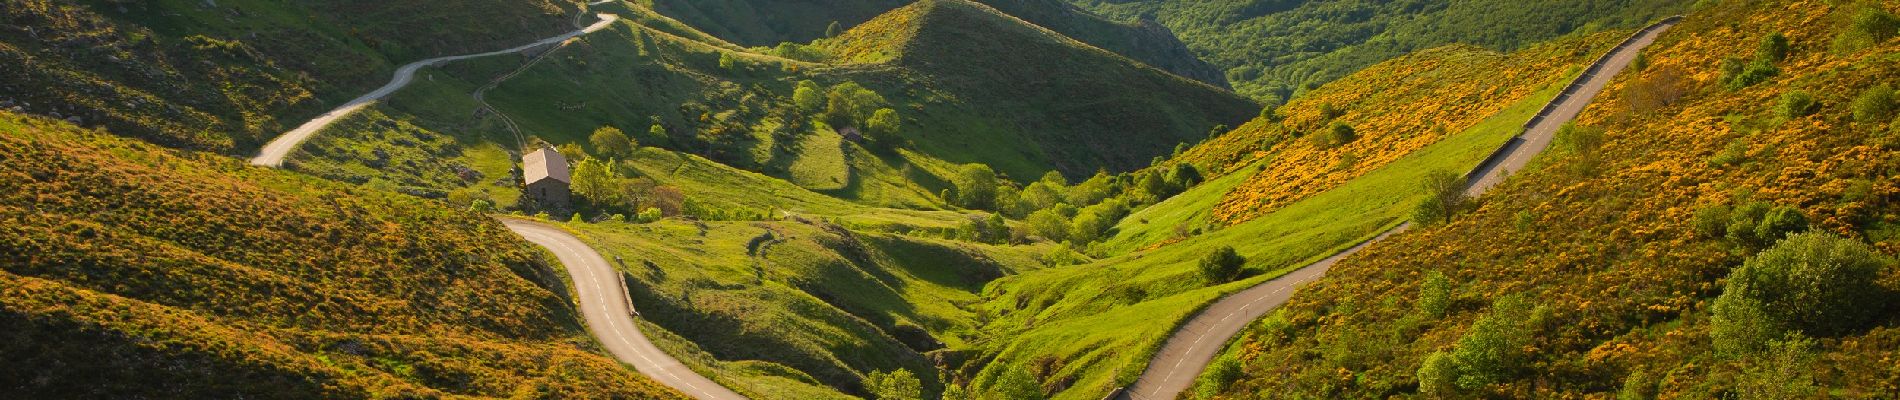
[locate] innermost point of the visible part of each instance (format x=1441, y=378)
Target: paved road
x=273, y=154
x=605, y=304
x=1194, y=345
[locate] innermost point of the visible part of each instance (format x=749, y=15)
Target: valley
x=948, y=199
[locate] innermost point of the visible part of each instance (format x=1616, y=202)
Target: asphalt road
x=273, y=153
x=1193, y=346
x=605, y=304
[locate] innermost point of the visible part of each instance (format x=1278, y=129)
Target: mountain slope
x=1087, y=108
x=766, y=23
x=131, y=271
x=225, y=75
x=1606, y=270
x=1086, y=329
x=1274, y=49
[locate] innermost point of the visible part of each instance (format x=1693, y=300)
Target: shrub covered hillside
x=227, y=75
x=1720, y=224
x=1274, y=49
x=1317, y=142
x=768, y=23
x=1082, y=108
x=127, y=271
x=1079, y=331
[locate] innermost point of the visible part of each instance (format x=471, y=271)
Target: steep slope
x=767, y=23
x=226, y=75
x=1615, y=268
x=132, y=271
x=1084, y=107
x=1081, y=331
x=1274, y=49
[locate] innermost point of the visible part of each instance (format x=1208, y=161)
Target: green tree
x=1050, y=224
x=657, y=130
x=1874, y=105
x=594, y=180
x=1094, y=190
x=898, y=384
x=1038, y=196
x=833, y=30
x=976, y=186
x=808, y=97
x=1785, y=372
x=1017, y=384
x=883, y=126
x=611, y=142
x=1437, y=376
x=1637, y=386
x=1434, y=295
x=1089, y=227
x=1492, y=350
x=1221, y=265
x=1817, y=283
x=1446, y=198
x=848, y=103
x=573, y=152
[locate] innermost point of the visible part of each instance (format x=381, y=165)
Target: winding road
x=603, y=298
x=1195, y=344
x=273, y=154
x=605, y=304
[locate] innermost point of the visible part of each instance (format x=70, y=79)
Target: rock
x=211, y=4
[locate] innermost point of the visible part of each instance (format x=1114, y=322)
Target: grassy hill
x=768, y=23
x=1272, y=49
x=1615, y=268
x=227, y=75
x=1053, y=90
x=127, y=270
x=736, y=107
x=1070, y=326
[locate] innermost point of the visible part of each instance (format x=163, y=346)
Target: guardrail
x=1596, y=67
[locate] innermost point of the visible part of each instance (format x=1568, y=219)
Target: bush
x=1493, y=348
x=1221, y=265
x=1874, y=105
x=1438, y=376
x=1712, y=222
x=1870, y=28
x=1637, y=386
x=1760, y=224
x=1773, y=48
x=895, y=385
x=1737, y=74
x=1050, y=224
x=1817, y=283
x=1337, y=135
x=1796, y=104
x=649, y=215
x=1434, y=295
x=1225, y=370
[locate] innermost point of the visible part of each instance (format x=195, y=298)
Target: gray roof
x=544, y=164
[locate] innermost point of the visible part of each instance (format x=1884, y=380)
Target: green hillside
x=1703, y=232
x=742, y=109
x=768, y=23
x=1275, y=49
x=225, y=76
x=1070, y=325
x=129, y=271
x=1057, y=92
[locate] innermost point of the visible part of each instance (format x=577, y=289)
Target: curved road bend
x=273, y=154
x=604, y=304
x=1186, y=353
